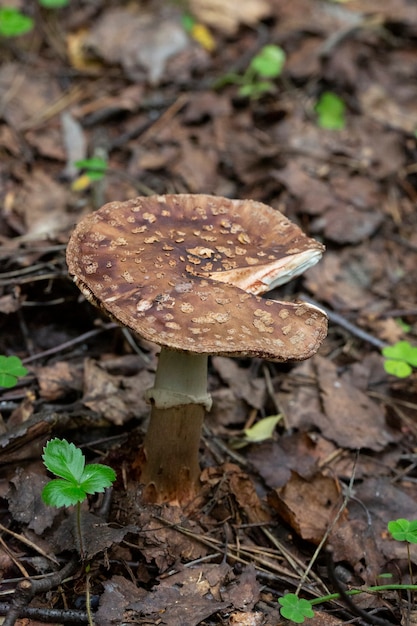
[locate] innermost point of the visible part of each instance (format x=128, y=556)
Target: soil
x=301, y=506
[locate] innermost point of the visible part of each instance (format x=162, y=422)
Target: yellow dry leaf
x=226, y=15
x=76, y=52
x=203, y=36
x=81, y=183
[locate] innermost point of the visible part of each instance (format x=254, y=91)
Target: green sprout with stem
x=76, y=479
x=404, y=530
x=94, y=168
x=11, y=369
x=297, y=609
x=257, y=79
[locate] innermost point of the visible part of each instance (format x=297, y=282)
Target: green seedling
x=94, y=168
x=400, y=359
x=298, y=609
x=330, y=111
x=14, y=23
x=11, y=369
x=76, y=479
x=404, y=530
x=256, y=81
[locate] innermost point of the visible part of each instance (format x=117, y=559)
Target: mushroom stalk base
x=171, y=470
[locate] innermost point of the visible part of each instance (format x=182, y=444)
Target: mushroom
x=187, y=273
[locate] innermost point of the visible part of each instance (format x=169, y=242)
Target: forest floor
x=305, y=508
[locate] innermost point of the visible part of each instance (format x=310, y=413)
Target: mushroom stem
x=171, y=469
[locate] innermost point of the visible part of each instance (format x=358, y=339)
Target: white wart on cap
x=186, y=272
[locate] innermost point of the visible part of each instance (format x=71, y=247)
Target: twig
x=331, y=525
x=29, y=587
x=70, y=344
x=356, y=610
x=49, y=616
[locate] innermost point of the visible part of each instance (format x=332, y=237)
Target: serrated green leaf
x=400, y=369
x=262, y=430
x=60, y=492
x=269, y=62
x=96, y=478
x=64, y=459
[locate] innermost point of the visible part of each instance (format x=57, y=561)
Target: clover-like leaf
x=269, y=62
x=11, y=369
x=294, y=608
x=403, y=351
x=403, y=530
x=400, y=369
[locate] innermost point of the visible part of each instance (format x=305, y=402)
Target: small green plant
x=294, y=608
x=54, y=4
x=403, y=530
x=11, y=369
x=256, y=81
x=400, y=359
x=76, y=479
x=95, y=168
x=330, y=111
x=14, y=23
x=298, y=609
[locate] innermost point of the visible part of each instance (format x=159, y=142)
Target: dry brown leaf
x=141, y=42
x=42, y=204
x=115, y=398
x=55, y=381
x=229, y=478
x=308, y=506
x=226, y=15
x=246, y=619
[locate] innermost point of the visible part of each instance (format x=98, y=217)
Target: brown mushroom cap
x=184, y=271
